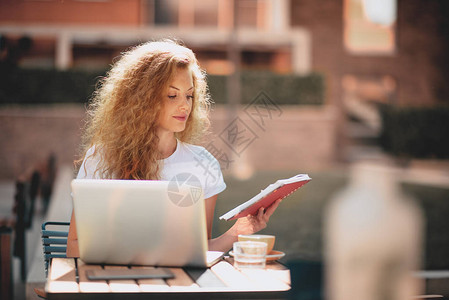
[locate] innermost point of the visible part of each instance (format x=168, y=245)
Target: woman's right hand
x=254, y=223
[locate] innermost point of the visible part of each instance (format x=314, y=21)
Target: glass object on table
x=250, y=254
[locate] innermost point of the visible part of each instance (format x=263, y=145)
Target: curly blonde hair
x=123, y=113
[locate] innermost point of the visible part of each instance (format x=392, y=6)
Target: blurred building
x=370, y=52
x=89, y=34
x=401, y=62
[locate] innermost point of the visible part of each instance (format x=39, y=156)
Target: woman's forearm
x=247, y=225
x=223, y=242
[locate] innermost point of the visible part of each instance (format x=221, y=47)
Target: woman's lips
x=180, y=118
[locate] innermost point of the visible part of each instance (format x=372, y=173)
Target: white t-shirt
x=188, y=161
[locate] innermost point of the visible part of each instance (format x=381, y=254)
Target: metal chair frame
x=54, y=241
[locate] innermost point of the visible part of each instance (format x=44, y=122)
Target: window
x=210, y=13
x=370, y=27
x=206, y=13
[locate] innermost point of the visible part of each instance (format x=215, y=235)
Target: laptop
x=142, y=222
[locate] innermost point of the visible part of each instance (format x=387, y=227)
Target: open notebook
x=278, y=190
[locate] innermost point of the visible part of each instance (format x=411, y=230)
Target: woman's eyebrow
x=173, y=87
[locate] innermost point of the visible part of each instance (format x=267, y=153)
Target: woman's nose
x=184, y=104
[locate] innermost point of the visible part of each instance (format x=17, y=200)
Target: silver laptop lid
x=140, y=222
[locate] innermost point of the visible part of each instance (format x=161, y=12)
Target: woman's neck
x=167, y=145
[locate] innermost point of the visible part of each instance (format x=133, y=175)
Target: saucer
x=273, y=255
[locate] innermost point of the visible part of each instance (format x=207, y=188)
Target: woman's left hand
x=254, y=223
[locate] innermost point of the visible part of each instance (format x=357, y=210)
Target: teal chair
x=54, y=240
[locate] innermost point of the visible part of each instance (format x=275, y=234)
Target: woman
x=145, y=117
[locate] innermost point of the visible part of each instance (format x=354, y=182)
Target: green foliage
x=416, y=132
x=282, y=89
x=38, y=86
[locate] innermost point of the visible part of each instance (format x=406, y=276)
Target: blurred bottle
x=373, y=239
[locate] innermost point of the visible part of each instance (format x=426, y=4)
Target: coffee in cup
x=269, y=239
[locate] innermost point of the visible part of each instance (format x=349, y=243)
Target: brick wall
x=298, y=139
x=419, y=65
x=29, y=135
x=121, y=12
